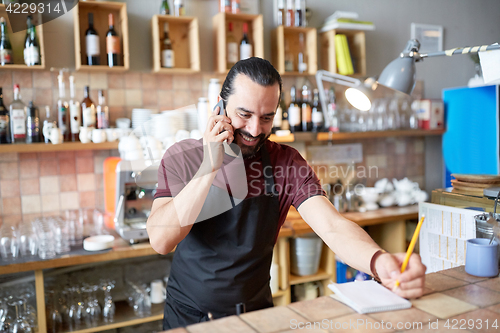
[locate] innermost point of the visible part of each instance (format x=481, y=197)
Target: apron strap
x=268, y=173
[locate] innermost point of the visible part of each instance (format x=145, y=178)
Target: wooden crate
x=291, y=36
x=357, y=48
x=101, y=10
x=17, y=42
x=221, y=26
x=183, y=32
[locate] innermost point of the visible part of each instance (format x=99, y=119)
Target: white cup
x=54, y=134
x=98, y=135
x=85, y=134
x=111, y=134
x=158, y=292
x=122, y=123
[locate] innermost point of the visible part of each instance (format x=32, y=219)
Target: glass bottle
x=278, y=117
x=302, y=57
x=49, y=121
x=62, y=109
x=179, y=9
x=31, y=50
x=306, y=109
x=294, y=112
x=92, y=43
x=245, y=45
x=235, y=6
x=317, y=113
x=5, y=136
x=33, y=124
x=5, y=46
x=289, y=63
x=284, y=118
x=75, y=113
x=113, y=48
x=290, y=15
x=18, y=117
x=225, y=6
x=281, y=12
x=299, y=14
x=332, y=111
x=167, y=53
x=304, y=12
x=88, y=109
x=232, y=47
x=164, y=8
x=102, y=112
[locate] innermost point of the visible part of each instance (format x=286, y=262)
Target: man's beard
x=250, y=151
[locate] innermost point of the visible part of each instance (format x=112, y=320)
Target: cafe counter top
x=453, y=301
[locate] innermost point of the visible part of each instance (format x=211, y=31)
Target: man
x=223, y=257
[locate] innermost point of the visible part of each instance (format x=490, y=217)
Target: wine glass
x=108, y=309
x=9, y=247
x=20, y=324
x=54, y=316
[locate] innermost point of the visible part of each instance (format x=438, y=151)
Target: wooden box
x=221, y=26
x=101, y=10
x=17, y=43
x=184, y=35
x=284, y=38
x=357, y=49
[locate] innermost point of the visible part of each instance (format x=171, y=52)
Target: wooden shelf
x=320, y=275
x=49, y=147
x=17, y=42
x=357, y=49
x=184, y=35
x=285, y=41
x=279, y=293
x=221, y=27
x=330, y=136
x=122, y=318
x=101, y=10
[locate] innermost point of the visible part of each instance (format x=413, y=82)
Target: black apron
x=225, y=260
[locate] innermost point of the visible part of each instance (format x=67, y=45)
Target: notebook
x=368, y=296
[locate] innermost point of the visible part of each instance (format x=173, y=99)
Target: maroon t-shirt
x=294, y=179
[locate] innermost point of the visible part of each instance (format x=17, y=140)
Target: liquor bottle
x=232, y=47
x=49, y=121
x=235, y=6
x=167, y=53
x=31, y=48
x=75, y=113
x=302, y=62
x=88, y=109
x=179, y=9
x=245, y=46
x=281, y=12
x=62, y=110
x=5, y=136
x=102, y=112
x=92, y=43
x=332, y=111
x=289, y=62
x=17, y=117
x=304, y=12
x=113, y=48
x=164, y=8
x=306, y=109
x=294, y=112
x=5, y=46
x=284, y=117
x=317, y=113
x=278, y=117
x=299, y=14
x=290, y=15
x=33, y=133
x=225, y=6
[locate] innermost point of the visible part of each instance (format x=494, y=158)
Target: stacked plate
x=140, y=117
x=168, y=123
x=473, y=184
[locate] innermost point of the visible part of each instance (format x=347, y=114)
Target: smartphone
x=222, y=106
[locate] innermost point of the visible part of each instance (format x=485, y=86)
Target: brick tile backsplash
x=9, y=188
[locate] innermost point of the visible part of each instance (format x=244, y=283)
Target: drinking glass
x=20, y=325
x=393, y=115
x=61, y=237
x=75, y=226
x=9, y=247
x=54, y=316
x=108, y=309
x=43, y=228
x=3, y=315
x=381, y=115
x=28, y=241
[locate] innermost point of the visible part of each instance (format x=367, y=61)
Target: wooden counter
x=452, y=299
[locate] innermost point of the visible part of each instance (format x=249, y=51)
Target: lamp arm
x=451, y=52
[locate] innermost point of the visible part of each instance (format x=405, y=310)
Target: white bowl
x=98, y=243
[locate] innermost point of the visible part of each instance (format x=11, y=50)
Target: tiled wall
x=34, y=184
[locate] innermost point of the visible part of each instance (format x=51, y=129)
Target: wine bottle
x=299, y=15
x=232, y=47
x=245, y=46
x=113, y=48
x=33, y=133
x=278, y=118
x=281, y=12
x=284, y=117
x=289, y=13
x=92, y=43
x=102, y=112
x=62, y=110
x=317, y=113
x=5, y=46
x=306, y=109
x=88, y=109
x=18, y=117
x=164, y=8
x=4, y=121
x=167, y=53
x=302, y=62
x=75, y=113
x=31, y=48
x=179, y=9
x=294, y=110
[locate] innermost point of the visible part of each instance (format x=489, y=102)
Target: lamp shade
x=399, y=75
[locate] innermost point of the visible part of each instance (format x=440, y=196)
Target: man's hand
x=218, y=129
x=411, y=282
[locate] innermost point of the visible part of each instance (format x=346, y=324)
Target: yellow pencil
x=411, y=247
